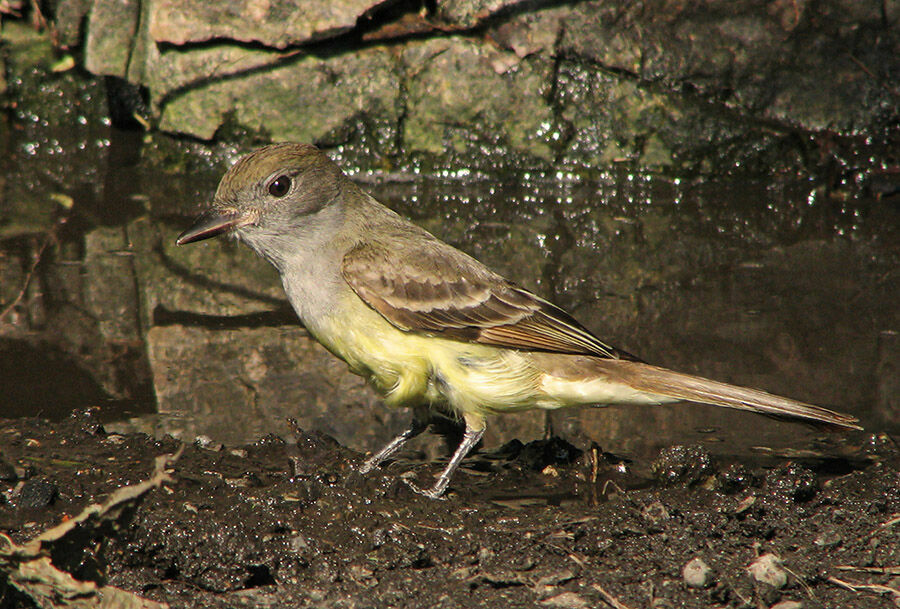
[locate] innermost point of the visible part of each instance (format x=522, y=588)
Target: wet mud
x=546, y=524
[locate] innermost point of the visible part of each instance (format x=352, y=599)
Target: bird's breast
x=410, y=368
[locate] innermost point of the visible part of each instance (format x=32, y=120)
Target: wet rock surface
x=277, y=24
x=703, y=87
x=292, y=523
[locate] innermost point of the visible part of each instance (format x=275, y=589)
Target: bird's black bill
x=211, y=224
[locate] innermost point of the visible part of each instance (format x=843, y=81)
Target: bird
x=430, y=327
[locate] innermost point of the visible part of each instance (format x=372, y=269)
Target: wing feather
x=437, y=289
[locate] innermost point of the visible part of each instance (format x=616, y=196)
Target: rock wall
x=666, y=85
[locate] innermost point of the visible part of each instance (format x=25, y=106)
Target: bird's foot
x=435, y=492
x=368, y=465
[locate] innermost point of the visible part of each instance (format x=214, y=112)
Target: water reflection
x=773, y=283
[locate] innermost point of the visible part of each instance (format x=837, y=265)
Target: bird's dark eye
x=280, y=186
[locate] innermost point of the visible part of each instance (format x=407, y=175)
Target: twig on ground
x=879, y=570
x=609, y=598
x=877, y=588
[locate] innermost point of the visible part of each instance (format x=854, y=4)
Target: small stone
x=697, y=574
x=788, y=605
x=204, y=441
x=362, y=575
x=655, y=512
x=37, y=493
x=828, y=539
x=316, y=595
x=767, y=569
x=569, y=600
x=299, y=544
x=745, y=504
x=7, y=472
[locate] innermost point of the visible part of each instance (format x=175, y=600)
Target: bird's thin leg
x=469, y=440
x=417, y=426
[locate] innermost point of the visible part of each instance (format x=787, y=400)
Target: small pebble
x=828, y=539
x=655, y=512
x=568, y=600
x=206, y=442
x=745, y=504
x=37, y=493
x=788, y=605
x=697, y=574
x=361, y=573
x=7, y=472
x=767, y=569
x=298, y=543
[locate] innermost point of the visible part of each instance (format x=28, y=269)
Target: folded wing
x=437, y=289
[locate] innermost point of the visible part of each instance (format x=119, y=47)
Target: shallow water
x=777, y=282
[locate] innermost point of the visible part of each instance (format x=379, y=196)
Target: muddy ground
x=276, y=524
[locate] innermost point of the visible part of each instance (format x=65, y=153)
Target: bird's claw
x=367, y=466
x=432, y=493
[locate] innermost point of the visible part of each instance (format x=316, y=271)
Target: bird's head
x=268, y=193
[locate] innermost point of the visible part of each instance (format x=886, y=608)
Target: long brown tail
x=677, y=385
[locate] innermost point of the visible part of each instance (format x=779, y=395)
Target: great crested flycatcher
x=426, y=324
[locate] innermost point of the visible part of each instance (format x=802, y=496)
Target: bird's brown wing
x=435, y=288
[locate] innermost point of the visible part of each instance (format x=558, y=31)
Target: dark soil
x=276, y=524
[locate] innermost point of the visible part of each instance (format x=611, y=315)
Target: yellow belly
x=411, y=369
